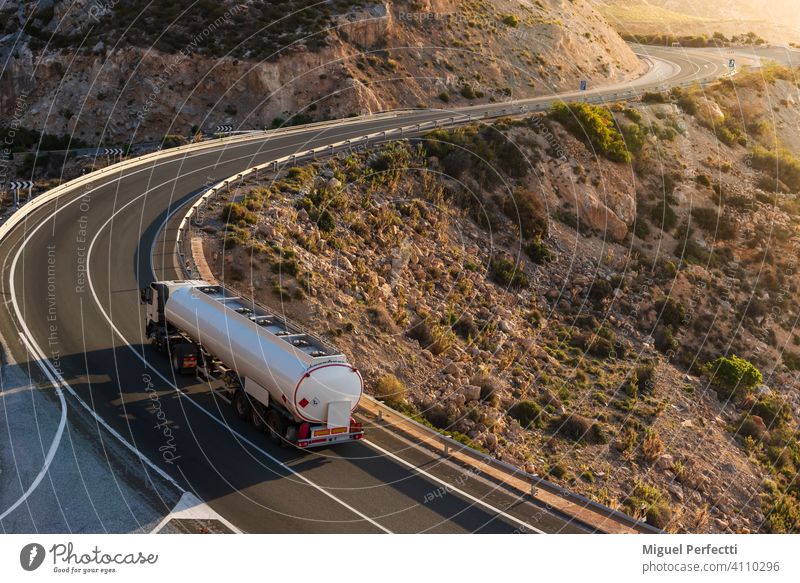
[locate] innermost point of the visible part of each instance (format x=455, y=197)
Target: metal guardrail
x=534, y=480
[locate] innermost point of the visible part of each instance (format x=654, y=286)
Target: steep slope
x=135, y=70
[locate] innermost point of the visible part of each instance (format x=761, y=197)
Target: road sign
x=584, y=84
x=732, y=63
x=113, y=151
x=224, y=129
x=16, y=185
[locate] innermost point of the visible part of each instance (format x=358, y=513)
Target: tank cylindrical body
x=303, y=383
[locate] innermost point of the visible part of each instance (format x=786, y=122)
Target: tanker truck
x=289, y=383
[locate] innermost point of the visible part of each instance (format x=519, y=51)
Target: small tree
x=733, y=376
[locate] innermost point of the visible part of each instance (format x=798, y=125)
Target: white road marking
x=192, y=508
x=451, y=487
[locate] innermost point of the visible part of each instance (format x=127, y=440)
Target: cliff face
x=108, y=74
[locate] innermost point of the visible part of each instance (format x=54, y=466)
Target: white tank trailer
x=286, y=381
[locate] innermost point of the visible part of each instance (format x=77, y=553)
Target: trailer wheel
x=258, y=417
x=275, y=427
x=180, y=353
x=241, y=405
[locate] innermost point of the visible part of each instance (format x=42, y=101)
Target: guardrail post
x=255, y=171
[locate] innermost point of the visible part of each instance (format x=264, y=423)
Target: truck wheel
x=180, y=354
x=258, y=417
x=241, y=405
x=275, y=427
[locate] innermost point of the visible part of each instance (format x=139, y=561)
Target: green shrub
x=722, y=227
x=538, y=252
x=596, y=125
x=783, y=515
x=235, y=212
x=663, y=216
x=772, y=409
x=508, y=273
x=510, y=20
x=665, y=339
x=326, y=222
x=791, y=360
x=527, y=208
x=671, y=312
x=490, y=390
x=580, y=428
x=781, y=165
x=528, y=413
x=733, y=376
x=653, y=97
x=651, y=502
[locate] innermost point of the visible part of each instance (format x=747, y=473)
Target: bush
x=381, y=318
x=441, y=417
x=490, y=390
x=670, y=313
x=653, y=97
x=326, y=223
x=783, y=516
x=431, y=337
x=527, y=208
x=791, y=360
x=665, y=339
x=391, y=390
x=596, y=125
x=663, y=216
x=772, y=409
x=527, y=413
x=650, y=501
x=781, y=165
x=235, y=212
x=733, y=376
x=538, y=252
x=510, y=20
x=580, y=428
x=720, y=226
x=508, y=273
x=652, y=446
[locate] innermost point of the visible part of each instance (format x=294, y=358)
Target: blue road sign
x=584, y=84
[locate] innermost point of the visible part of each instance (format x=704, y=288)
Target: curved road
x=70, y=278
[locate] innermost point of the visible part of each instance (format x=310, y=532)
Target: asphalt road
x=70, y=279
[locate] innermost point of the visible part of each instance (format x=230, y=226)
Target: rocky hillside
x=604, y=296
x=135, y=70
